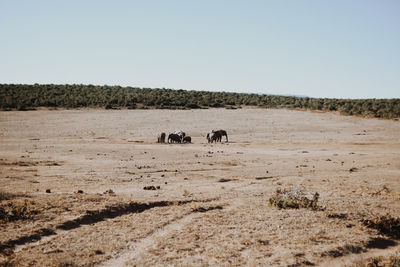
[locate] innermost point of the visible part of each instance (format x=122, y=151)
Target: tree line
x=25, y=97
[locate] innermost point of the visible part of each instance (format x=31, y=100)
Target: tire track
x=136, y=248
x=140, y=246
x=91, y=217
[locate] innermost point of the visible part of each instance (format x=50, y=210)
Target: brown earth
x=212, y=206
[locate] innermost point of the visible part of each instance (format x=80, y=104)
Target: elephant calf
x=187, y=139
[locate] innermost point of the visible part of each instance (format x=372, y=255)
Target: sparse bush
x=387, y=225
x=11, y=212
x=294, y=199
x=391, y=261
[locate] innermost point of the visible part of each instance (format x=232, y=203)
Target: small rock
x=149, y=187
x=98, y=252
x=109, y=192
x=354, y=169
x=48, y=191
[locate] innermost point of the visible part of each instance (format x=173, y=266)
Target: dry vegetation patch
x=13, y=208
x=335, y=215
x=393, y=261
x=31, y=163
x=386, y=224
x=294, y=199
x=14, y=212
x=344, y=250
x=205, y=209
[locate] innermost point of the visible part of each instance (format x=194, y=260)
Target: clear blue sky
x=337, y=48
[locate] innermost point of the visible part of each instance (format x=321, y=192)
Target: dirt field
x=212, y=207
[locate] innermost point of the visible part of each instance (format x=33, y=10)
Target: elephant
x=161, y=138
x=221, y=133
x=174, y=138
x=214, y=137
x=182, y=134
x=187, y=139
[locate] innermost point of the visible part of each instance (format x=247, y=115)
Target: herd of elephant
x=181, y=137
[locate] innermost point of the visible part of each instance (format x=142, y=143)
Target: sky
x=332, y=49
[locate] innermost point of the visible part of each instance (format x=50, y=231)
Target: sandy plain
x=212, y=208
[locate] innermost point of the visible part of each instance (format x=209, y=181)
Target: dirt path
x=137, y=248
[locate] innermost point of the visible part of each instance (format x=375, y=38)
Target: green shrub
x=26, y=97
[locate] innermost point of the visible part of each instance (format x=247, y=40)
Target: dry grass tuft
x=393, y=261
x=384, y=189
x=345, y=250
x=224, y=180
x=386, y=224
x=203, y=209
x=12, y=212
x=336, y=215
x=294, y=199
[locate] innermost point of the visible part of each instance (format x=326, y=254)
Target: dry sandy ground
x=195, y=218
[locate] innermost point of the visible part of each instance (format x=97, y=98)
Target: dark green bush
x=27, y=97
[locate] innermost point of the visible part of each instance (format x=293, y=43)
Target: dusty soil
x=212, y=207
